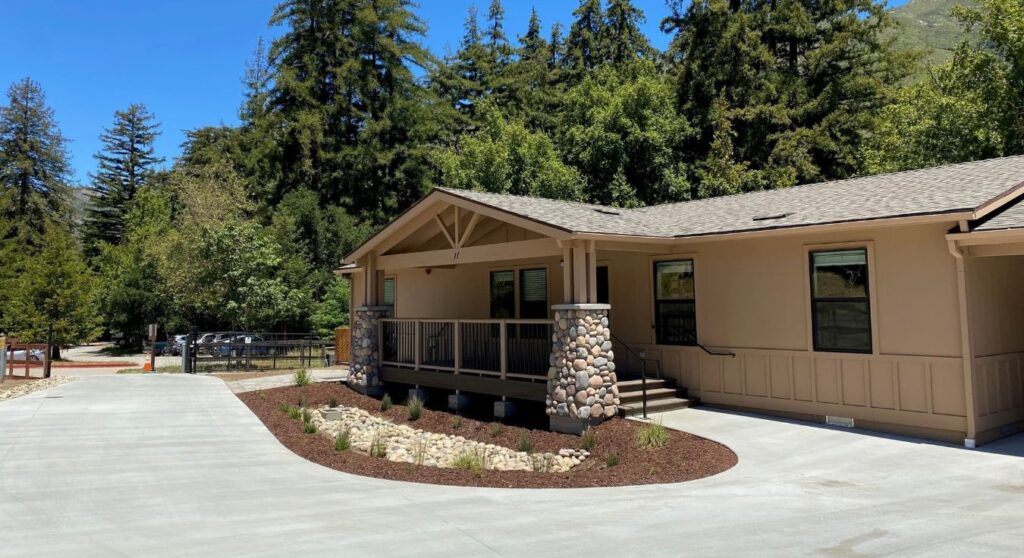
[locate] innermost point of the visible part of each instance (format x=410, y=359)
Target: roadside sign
x=152, y=332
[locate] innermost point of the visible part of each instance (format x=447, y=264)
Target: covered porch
x=458, y=296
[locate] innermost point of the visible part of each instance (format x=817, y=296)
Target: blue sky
x=183, y=59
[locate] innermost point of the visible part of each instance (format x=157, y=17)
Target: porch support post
x=582, y=386
x=364, y=371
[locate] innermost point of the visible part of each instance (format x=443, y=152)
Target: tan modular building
x=891, y=302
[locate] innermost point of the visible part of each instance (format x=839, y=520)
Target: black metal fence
x=248, y=351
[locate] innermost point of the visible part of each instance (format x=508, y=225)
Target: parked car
x=247, y=344
x=34, y=355
x=175, y=346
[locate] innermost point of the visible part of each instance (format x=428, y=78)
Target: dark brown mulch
x=684, y=457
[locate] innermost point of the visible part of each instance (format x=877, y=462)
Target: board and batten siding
x=995, y=287
x=752, y=297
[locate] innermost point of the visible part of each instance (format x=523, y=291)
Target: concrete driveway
x=176, y=466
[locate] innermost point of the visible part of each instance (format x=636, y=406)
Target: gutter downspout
x=965, y=342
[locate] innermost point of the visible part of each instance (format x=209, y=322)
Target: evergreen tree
x=55, y=290
x=622, y=42
x=534, y=89
x=462, y=80
x=349, y=114
x=126, y=162
x=780, y=93
x=34, y=165
x=583, y=47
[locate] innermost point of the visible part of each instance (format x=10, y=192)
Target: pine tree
x=534, y=91
x=583, y=46
x=348, y=112
x=780, y=93
x=622, y=42
x=34, y=165
x=462, y=79
x=126, y=162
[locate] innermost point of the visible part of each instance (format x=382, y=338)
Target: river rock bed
x=405, y=444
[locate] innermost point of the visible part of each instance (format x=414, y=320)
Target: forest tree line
x=346, y=119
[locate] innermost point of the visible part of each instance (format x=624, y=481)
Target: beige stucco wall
x=995, y=287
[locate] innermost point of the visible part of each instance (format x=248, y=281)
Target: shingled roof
x=958, y=188
x=1011, y=217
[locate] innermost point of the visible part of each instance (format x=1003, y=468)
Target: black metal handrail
x=717, y=352
x=643, y=371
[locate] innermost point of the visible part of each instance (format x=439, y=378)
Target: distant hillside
x=80, y=200
x=927, y=25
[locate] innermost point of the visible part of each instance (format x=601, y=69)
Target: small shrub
x=419, y=452
x=307, y=417
x=343, y=441
x=541, y=463
x=456, y=422
x=284, y=407
x=611, y=460
x=300, y=402
x=469, y=462
x=385, y=403
x=309, y=428
x=377, y=446
x=589, y=440
x=302, y=378
x=332, y=402
x=415, y=408
x=496, y=430
x=651, y=436
x=294, y=413
x=525, y=443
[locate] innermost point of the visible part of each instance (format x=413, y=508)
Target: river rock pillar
x=582, y=389
x=364, y=370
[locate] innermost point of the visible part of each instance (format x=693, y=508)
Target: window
x=603, y=296
x=503, y=294
x=840, y=309
x=675, y=316
x=389, y=291
x=533, y=294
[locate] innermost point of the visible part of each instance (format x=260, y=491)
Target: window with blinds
x=389, y=291
x=533, y=294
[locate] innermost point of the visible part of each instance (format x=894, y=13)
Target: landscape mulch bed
x=684, y=457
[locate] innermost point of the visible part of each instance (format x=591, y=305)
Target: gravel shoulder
x=684, y=457
x=17, y=387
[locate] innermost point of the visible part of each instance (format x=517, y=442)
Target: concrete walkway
x=169, y=465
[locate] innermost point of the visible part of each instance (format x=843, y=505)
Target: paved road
x=176, y=466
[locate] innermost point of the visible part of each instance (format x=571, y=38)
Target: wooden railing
x=517, y=349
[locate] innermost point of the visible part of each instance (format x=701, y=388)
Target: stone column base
x=582, y=385
x=363, y=372
x=566, y=425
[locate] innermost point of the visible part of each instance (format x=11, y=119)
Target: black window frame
x=865, y=299
x=490, y=293
x=521, y=292
x=659, y=330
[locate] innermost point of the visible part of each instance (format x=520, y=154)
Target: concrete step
x=655, y=406
x=652, y=394
x=626, y=386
